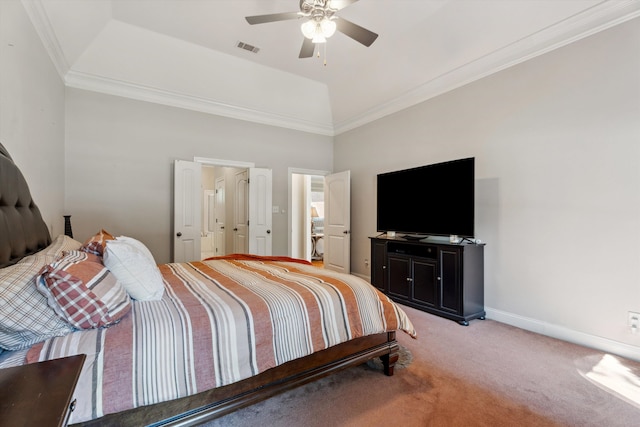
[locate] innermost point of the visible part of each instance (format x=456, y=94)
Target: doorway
x=336, y=217
x=188, y=212
x=242, y=218
x=306, y=207
x=224, y=210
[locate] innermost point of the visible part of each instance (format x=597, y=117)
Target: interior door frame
x=228, y=163
x=291, y=172
x=224, y=163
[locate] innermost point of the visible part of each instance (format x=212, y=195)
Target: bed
x=178, y=343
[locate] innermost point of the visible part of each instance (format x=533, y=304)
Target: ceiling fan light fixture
x=309, y=28
x=328, y=27
x=318, y=30
x=319, y=22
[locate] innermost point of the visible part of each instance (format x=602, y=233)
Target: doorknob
x=179, y=234
x=345, y=232
x=268, y=231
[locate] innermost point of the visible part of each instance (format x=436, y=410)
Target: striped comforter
x=220, y=321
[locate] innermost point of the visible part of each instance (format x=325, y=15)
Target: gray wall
x=32, y=112
x=557, y=148
x=119, y=162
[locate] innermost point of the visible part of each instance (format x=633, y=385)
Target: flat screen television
x=431, y=200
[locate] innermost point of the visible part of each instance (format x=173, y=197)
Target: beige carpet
x=485, y=374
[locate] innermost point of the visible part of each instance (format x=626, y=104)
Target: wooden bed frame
x=193, y=410
x=23, y=232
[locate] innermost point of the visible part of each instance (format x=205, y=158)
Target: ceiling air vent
x=248, y=47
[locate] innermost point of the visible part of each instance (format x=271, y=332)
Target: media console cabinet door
x=425, y=282
x=450, y=280
x=379, y=265
x=400, y=280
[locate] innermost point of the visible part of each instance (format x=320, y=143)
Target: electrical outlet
x=366, y=262
x=633, y=321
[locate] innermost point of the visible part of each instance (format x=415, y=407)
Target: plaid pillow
x=83, y=292
x=96, y=243
x=25, y=317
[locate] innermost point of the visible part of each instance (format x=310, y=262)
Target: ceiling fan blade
x=356, y=32
x=274, y=17
x=306, y=51
x=341, y=4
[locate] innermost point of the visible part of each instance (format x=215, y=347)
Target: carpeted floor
x=486, y=374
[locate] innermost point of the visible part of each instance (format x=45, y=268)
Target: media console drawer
x=417, y=250
x=446, y=279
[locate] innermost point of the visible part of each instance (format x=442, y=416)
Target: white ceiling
x=183, y=52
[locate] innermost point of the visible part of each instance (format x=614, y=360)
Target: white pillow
x=133, y=265
x=138, y=245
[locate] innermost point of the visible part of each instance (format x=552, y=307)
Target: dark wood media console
x=446, y=279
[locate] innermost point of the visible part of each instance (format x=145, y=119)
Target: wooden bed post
x=67, y=226
x=389, y=360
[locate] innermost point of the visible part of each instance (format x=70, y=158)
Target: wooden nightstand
x=39, y=394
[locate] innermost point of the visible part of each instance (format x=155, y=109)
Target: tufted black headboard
x=22, y=230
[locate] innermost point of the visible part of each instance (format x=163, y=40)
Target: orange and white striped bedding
x=220, y=321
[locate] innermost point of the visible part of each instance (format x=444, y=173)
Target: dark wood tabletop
x=39, y=394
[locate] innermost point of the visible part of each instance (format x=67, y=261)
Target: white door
x=260, y=213
x=337, y=222
x=241, y=213
x=187, y=210
x=220, y=217
x=208, y=224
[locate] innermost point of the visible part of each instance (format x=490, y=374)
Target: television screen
x=436, y=199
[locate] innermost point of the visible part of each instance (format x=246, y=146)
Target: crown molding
x=91, y=82
x=591, y=21
x=86, y=81
x=43, y=27
x=598, y=18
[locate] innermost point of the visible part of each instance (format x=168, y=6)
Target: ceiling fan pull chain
x=325, y=54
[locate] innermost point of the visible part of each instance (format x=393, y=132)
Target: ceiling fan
x=321, y=22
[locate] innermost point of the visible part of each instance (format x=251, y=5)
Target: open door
x=241, y=212
x=187, y=210
x=337, y=222
x=220, y=217
x=260, y=219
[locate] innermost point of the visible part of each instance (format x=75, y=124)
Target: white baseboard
x=565, y=334
x=603, y=344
